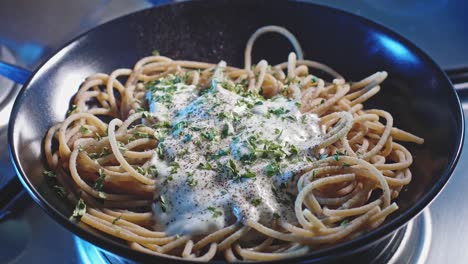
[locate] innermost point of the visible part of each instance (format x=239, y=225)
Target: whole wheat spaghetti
x=195, y=160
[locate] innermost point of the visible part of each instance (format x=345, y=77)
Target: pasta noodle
x=102, y=156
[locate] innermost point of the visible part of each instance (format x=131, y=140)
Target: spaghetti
x=331, y=167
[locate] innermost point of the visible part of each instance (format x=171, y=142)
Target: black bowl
x=417, y=92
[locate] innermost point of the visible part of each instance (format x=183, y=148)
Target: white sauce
x=236, y=182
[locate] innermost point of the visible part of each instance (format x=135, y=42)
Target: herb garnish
x=99, y=183
x=60, y=191
x=144, y=113
x=323, y=156
x=256, y=202
x=225, y=131
x=215, y=213
x=177, y=129
x=49, y=174
x=205, y=166
x=84, y=130
x=276, y=216
x=80, y=210
x=191, y=181
x=116, y=219
x=272, y=169
x=208, y=135
x=344, y=222
x=139, y=134
x=278, y=111
x=163, y=203
x=74, y=109
x=121, y=146
x=160, y=150
x=345, y=165
x=232, y=168
x=187, y=138
x=337, y=155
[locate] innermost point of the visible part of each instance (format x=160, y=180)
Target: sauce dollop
x=224, y=157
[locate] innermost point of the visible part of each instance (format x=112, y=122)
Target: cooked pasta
x=197, y=161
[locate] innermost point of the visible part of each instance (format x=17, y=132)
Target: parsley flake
x=191, y=182
x=256, y=202
x=49, y=174
x=84, y=130
x=116, y=219
x=80, y=210
x=163, y=203
x=215, y=213
x=272, y=169
x=99, y=183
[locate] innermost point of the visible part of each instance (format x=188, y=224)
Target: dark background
x=34, y=29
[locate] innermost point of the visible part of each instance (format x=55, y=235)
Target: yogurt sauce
x=224, y=157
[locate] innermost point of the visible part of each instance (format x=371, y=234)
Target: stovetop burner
x=8, y=91
x=410, y=244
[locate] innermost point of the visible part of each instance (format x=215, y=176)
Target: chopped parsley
x=93, y=155
x=140, y=170
x=168, y=179
x=177, y=128
x=139, y=134
x=337, y=155
x=314, y=174
x=278, y=111
x=80, y=210
x=344, y=223
x=248, y=174
x=152, y=171
x=219, y=154
x=162, y=201
x=84, y=130
x=256, y=202
x=174, y=167
x=105, y=151
x=272, y=169
x=49, y=174
x=293, y=150
x=160, y=150
x=209, y=135
x=97, y=136
x=225, y=131
x=122, y=146
x=232, y=168
x=116, y=219
x=323, y=156
x=205, y=166
x=99, y=183
x=60, y=191
x=144, y=113
x=73, y=109
x=163, y=124
x=191, y=181
x=215, y=213
x=187, y=138
x=195, y=128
